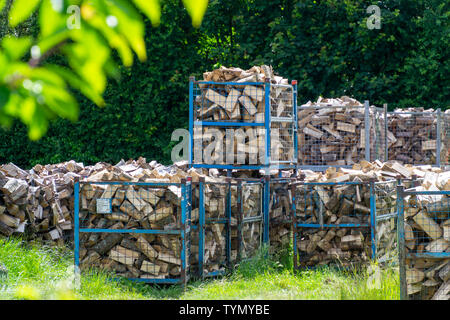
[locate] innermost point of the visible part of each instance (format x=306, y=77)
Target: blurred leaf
x=49, y=19
x=196, y=9
x=21, y=10
x=15, y=48
x=2, y=4
x=4, y=96
x=151, y=8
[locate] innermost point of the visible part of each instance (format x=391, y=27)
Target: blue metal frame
x=268, y=163
x=297, y=225
x=184, y=232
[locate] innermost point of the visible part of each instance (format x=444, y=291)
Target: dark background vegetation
x=325, y=45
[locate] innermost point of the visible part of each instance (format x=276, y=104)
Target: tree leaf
x=15, y=48
x=151, y=8
x=196, y=9
x=21, y=10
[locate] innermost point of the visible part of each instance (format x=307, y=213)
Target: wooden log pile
x=413, y=136
x=280, y=215
x=427, y=229
x=242, y=103
x=131, y=255
x=332, y=132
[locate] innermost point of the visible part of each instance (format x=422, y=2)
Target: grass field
x=40, y=272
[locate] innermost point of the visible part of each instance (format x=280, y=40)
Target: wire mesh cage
x=332, y=223
x=136, y=230
x=424, y=241
x=340, y=136
x=250, y=223
x=419, y=137
x=386, y=242
x=232, y=123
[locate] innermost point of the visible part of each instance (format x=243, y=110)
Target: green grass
x=41, y=272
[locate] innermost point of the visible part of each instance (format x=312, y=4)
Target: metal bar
x=228, y=227
x=401, y=242
x=240, y=217
x=425, y=193
x=230, y=83
x=228, y=124
x=367, y=129
x=267, y=116
x=191, y=119
x=438, y=137
x=128, y=183
x=201, y=232
x=294, y=98
x=76, y=235
x=344, y=225
x=253, y=219
x=294, y=229
x=373, y=219
x=266, y=210
x=183, y=231
x=386, y=150
x=146, y=231
x=428, y=255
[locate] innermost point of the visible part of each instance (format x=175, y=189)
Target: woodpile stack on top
x=332, y=132
x=427, y=230
x=243, y=103
x=39, y=203
x=413, y=136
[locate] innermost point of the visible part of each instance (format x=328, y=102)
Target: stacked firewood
x=414, y=136
x=242, y=103
x=332, y=132
x=280, y=214
x=38, y=203
x=341, y=204
x=133, y=255
x=427, y=230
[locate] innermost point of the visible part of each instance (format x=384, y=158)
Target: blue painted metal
x=228, y=124
x=185, y=189
x=144, y=231
x=201, y=246
x=320, y=167
x=183, y=232
x=267, y=121
x=228, y=226
x=373, y=219
x=77, y=224
x=438, y=137
x=294, y=84
x=266, y=208
x=191, y=118
x=268, y=163
x=344, y=225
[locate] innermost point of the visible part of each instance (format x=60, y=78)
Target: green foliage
x=325, y=45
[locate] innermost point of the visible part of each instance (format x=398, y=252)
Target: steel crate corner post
x=373, y=218
x=76, y=234
x=136, y=230
x=438, y=137
x=367, y=129
x=266, y=206
x=401, y=241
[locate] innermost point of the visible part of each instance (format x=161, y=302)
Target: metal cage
x=340, y=136
x=419, y=138
x=242, y=125
x=137, y=230
x=424, y=237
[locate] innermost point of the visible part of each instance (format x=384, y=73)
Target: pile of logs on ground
x=242, y=103
x=280, y=215
x=413, y=136
x=427, y=229
x=332, y=132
